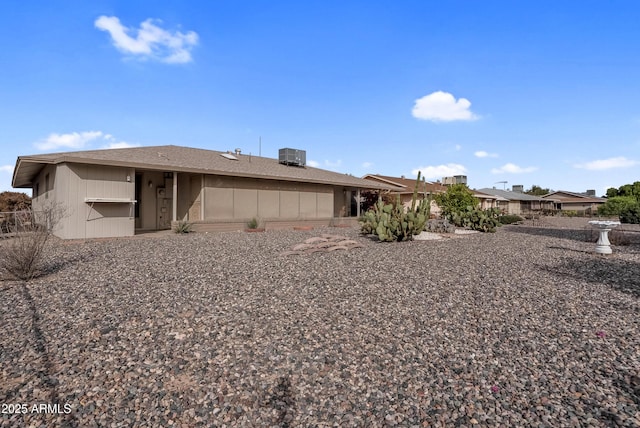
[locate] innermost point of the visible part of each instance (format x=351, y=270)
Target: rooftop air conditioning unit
x=292, y=157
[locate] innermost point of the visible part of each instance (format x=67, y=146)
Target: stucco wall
x=235, y=198
x=70, y=184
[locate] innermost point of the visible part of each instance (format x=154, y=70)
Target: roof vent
x=238, y=151
x=292, y=157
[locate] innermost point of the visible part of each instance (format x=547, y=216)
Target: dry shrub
x=23, y=253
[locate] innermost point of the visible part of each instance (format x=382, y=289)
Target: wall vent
x=292, y=157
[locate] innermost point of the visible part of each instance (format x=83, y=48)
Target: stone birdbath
x=603, y=246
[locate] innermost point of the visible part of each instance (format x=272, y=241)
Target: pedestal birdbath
x=603, y=246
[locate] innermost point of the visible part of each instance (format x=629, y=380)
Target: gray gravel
x=524, y=327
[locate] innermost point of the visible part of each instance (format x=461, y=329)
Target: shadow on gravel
x=588, y=234
x=622, y=275
x=46, y=375
x=582, y=235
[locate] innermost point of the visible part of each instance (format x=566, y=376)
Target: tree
x=455, y=200
x=537, y=191
x=612, y=192
x=14, y=201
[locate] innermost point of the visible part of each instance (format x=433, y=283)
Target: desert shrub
x=183, y=227
x=23, y=256
x=569, y=213
x=392, y=222
x=253, y=223
x=630, y=214
x=509, y=219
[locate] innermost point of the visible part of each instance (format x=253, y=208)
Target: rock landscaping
x=522, y=327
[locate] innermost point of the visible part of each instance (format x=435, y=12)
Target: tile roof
x=187, y=159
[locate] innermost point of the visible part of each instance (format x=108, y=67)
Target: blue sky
x=535, y=92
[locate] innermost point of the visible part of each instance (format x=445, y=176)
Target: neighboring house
x=518, y=203
x=570, y=201
x=486, y=200
x=405, y=187
x=116, y=192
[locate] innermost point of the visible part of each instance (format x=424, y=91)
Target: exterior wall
x=70, y=184
x=241, y=199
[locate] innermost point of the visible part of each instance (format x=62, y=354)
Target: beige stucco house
x=404, y=187
x=116, y=192
x=583, y=203
x=518, y=203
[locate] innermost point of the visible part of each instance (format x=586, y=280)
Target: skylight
x=228, y=156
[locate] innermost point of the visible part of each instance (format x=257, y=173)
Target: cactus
x=391, y=222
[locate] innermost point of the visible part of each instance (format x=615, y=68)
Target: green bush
x=456, y=199
x=569, y=213
x=509, y=219
x=391, y=222
x=616, y=205
x=631, y=214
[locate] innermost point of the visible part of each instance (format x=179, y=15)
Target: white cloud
x=150, y=41
x=121, y=145
x=510, y=168
x=6, y=168
x=313, y=164
x=74, y=140
x=483, y=154
x=442, y=107
x=332, y=165
x=439, y=171
x=611, y=163
x=81, y=140
x=367, y=164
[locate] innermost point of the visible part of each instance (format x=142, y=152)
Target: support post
x=358, y=203
x=174, y=214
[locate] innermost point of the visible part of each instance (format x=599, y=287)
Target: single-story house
x=485, y=200
x=116, y=192
x=405, y=187
x=571, y=201
x=518, y=203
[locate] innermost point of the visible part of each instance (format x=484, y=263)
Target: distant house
x=405, y=186
x=485, y=200
x=586, y=203
x=116, y=192
x=518, y=203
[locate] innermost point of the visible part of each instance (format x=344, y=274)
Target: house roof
x=187, y=159
x=512, y=196
x=406, y=185
x=483, y=195
x=566, y=196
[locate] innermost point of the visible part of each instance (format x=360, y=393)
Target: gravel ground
x=523, y=327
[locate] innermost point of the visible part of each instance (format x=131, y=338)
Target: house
x=116, y=192
x=518, y=203
x=585, y=203
x=487, y=201
x=405, y=186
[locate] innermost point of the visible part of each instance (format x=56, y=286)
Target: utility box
x=292, y=157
